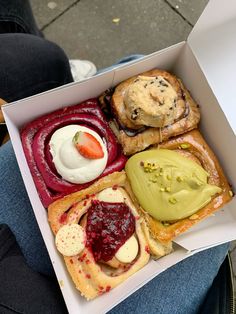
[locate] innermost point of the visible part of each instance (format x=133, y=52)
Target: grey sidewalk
x=103, y=31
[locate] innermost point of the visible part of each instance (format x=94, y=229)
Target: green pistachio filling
x=168, y=185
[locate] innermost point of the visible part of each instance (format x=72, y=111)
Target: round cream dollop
x=70, y=164
x=128, y=251
x=70, y=240
x=111, y=195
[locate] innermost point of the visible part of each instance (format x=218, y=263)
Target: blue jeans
x=180, y=289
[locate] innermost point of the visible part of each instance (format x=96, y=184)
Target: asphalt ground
x=103, y=31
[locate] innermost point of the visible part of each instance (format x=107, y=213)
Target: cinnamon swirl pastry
x=99, y=233
x=68, y=149
x=150, y=108
x=177, y=185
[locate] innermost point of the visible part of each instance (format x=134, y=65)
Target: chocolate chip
x=170, y=108
x=163, y=83
x=134, y=114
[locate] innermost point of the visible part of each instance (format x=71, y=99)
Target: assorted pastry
x=111, y=213
x=148, y=109
x=68, y=149
x=99, y=233
x=177, y=184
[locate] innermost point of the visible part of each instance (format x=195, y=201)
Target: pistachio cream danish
x=177, y=185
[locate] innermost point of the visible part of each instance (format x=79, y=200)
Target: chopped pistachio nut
x=168, y=177
x=179, y=179
x=167, y=189
x=166, y=224
x=61, y=283
x=184, y=145
x=172, y=200
x=149, y=167
x=194, y=217
x=162, y=189
x=154, y=180
x=231, y=193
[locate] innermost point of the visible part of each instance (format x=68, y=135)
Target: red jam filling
x=109, y=226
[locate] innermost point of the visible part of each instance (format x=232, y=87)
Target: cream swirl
x=69, y=163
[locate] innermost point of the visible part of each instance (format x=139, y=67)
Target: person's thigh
x=30, y=65
x=180, y=289
x=16, y=17
x=17, y=213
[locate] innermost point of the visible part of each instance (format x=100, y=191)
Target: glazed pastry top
x=167, y=185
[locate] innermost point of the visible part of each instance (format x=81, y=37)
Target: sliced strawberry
x=87, y=145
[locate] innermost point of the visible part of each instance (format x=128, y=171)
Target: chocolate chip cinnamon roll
x=150, y=108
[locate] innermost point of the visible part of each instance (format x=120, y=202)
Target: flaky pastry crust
x=152, y=135
x=90, y=277
x=198, y=148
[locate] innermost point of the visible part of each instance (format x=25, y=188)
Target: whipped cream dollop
x=69, y=163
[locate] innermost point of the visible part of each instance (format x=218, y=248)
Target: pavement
x=104, y=31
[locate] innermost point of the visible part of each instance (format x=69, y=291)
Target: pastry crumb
x=61, y=283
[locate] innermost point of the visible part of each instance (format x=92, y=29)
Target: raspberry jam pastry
x=68, y=149
x=150, y=108
x=99, y=233
x=177, y=185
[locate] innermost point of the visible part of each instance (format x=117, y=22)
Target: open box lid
x=213, y=44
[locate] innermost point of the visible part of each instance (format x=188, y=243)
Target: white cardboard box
x=207, y=65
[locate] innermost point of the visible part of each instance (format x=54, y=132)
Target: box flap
x=212, y=42
x=210, y=230
x=215, y=14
